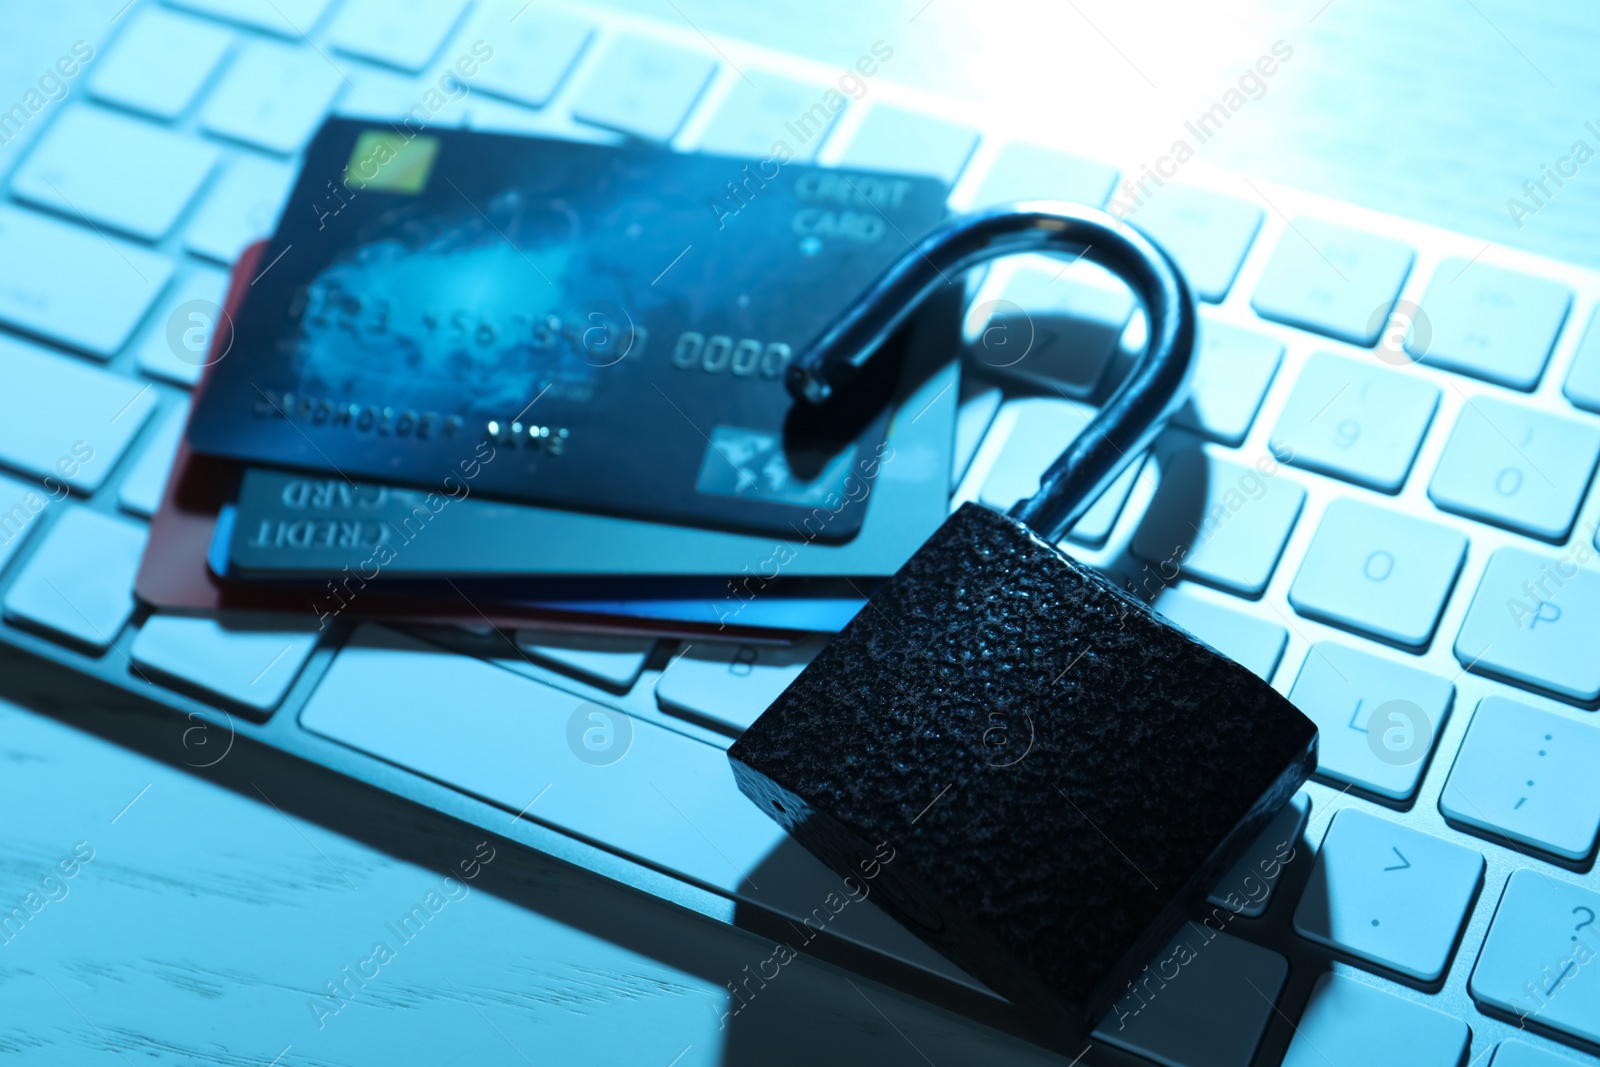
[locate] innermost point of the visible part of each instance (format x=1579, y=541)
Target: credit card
x=291, y=524
x=173, y=574
x=610, y=324
x=817, y=605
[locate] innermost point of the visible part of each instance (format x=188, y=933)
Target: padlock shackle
x=1124, y=425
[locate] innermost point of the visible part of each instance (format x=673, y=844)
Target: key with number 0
x=1516, y=467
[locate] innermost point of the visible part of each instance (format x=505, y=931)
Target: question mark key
x=1542, y=955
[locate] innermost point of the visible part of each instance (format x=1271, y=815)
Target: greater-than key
x=1022, y=762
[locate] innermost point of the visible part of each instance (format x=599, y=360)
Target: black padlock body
x=1030, y=769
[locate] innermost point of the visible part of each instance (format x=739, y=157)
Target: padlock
x=1020, y=761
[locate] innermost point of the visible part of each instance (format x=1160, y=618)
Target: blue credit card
x=295, y=524
x=581, y=326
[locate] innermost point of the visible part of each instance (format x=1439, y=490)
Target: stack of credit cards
x=548, y=376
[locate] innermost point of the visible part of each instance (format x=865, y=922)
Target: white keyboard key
x=1043, y=427
x=1533, y=966
x=1247, y=887
x=242, y=207
x=1378, y=572
x=73, y=286
x=177, y=344
x=1212, y=1013
x=63, y=420
x=1377, y=719
x=1348, y=1023
x=753, y=118
x=1025, y=171
x=605, y=659
x=532, y=55
x=730, y=684
x=404, y=101
x=142, y=489
x=643, y=88
x=893, y=139
x=1332, y=279
x=1533, y=623
x=1516, y=467
x=1253, y=643
x=1207, y=233
x=159, y=63
x=1489, y=322
x=1218, y=521
x=21, y=504
x=400, y=33
x=1057, y=326
x=273, y=97
x=1527, y=774
x=1355, y=421
x=79, y=583
x=1516, y=1054
x=1389, y=894
x=1233, y=368
x=979, y=403
x=157, y=172
x=286, y=18
x=251, y=662
x=1583, y=381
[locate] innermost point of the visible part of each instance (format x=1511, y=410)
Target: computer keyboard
x=1359, y=525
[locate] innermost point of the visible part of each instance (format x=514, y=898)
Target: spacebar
x=668, y=801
